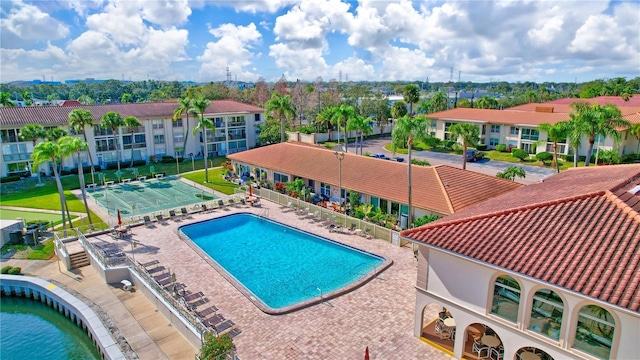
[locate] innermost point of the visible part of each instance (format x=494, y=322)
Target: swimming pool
x=280, y=268
x=142, y=197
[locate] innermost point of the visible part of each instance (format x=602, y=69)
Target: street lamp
x=340, y=157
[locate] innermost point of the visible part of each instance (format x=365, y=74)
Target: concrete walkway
x=133, y=321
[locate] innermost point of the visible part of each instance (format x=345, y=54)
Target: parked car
x=474, y=155
x=398, y=159
x=379, y=156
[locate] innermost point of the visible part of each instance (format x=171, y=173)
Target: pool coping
x=291, y=308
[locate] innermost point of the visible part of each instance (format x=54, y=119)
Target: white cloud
x=165, y=12
x=233, y=48
x=27, y=23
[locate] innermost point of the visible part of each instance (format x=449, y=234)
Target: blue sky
x=305, y=39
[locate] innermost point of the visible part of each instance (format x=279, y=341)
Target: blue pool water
x=33, y=330
x=280, y=265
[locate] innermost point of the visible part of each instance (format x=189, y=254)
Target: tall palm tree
x=198, y=109
x=362, y=125
x=555, y=133
x=79, y=119
x=635, y=131
x=470, y=135
x=185, y=104
x=323, y=119
x=54, y=134
x=33, y=132
x=440, y=101
x=5, y=99
x=410, y=129
x=70, y=145
x=131, y=122
x=280, y=107
x=411, y=95
x=340, y=117
x=398, y=109
x=602, y=120
x=112, y=120
x=50, y=151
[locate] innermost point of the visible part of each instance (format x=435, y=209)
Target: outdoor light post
x=193, y=165
x=340, y=157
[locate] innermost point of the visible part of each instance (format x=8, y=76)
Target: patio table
x=528, y=355
x=490, y=341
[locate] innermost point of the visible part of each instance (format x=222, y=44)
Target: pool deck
x=378, y=315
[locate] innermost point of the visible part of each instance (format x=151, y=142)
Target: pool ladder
x=354, y=270
x=313, y=287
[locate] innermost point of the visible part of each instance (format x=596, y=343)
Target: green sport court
x=26, y=215
x=143, y=197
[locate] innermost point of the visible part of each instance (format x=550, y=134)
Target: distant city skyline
x=197, y=40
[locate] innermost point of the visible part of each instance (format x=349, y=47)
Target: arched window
x=506, y=298
x=594, y=333
x=546, y=313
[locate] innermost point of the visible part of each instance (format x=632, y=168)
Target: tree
x=185, y=104
x=125, y=98
x=486, y=102
x=269, y=132
x=362, y=125
x=635, y=131
x=215, y=346
x=599, y=120
x=470, y=135
x=544, y=157
x=280, y=107
x=511, y=173
x=198, y=109
x=45, y=152
x=323, y=119
x=27, y=98
x=398, y=109
x=54, y=134
x=33, y=132
x=519, y=154
x=70, y=145
x=410, y=129
x=440, y=101
x=79, y=119
x=411, y=95
x=112, y=120
x=555, y=134
x=5, y=99
x=131, y=122
x=340, y=117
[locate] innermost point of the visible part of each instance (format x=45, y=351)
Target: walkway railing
x=377, y=231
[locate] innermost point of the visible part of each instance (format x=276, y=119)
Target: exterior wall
x=194, y=146
x=465, y=288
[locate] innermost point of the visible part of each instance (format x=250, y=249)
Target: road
x=485, y=166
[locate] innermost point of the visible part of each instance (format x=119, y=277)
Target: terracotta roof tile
x=575, y=230
x=441, y=189
x=58, y=115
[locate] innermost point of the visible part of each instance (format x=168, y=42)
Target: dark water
x=33, y=330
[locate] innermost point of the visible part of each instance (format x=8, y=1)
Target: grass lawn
x=55, y=218
x=216, y=181
x=43, y=251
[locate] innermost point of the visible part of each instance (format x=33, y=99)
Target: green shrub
x=425, y=219
x=481, y=147
x=433, y=142
x=501, y=147
x=15, y=271
x=420, y=162
x=5, y=269
x=214, y=346
x=307, y=129
x=10, y=178
x=519, y=154
x=544, y=156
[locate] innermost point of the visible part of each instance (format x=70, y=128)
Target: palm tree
x=410, y=129
x=79, y=119
x=185, y=105
x=283, y=109
x=470, y=135
x=411, y=95
x=601, y=120
x=70, y=145
x=362, y=125
x=555, y=134
x=340, y=117
x=635, y=131
x=112, y=120
x=45, y=152
x=33, y=132
x=198, y=109
x=486, y=102
x=54, y=134
x=398, y=109
x=132, y=123
x=440, y=101
x=323, y=119
x=5, y=99
x=511, y=173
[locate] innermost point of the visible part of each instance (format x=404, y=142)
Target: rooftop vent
x=544, y=109
x=635, y=190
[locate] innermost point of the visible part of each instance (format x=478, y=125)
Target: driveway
x=485, y=166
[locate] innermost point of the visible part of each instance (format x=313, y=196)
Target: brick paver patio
x=378, y=315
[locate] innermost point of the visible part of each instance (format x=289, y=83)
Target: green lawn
x=55, y=218
x=216, y=181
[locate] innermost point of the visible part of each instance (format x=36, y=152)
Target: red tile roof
x=616, y=100
x=440, y=189
x=58, y=115
x=579, y=230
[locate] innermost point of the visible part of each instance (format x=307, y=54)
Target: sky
x=375, y=40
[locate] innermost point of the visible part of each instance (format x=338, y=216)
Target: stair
x=79, y=259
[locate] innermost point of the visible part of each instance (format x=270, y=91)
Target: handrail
x=264, y=213
x=374, y=268
x=313, y=287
